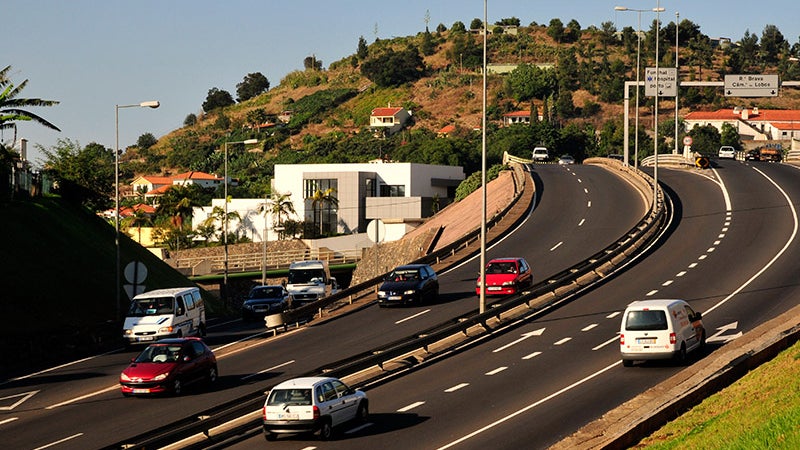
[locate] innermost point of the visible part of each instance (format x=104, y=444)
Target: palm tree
x=278, y=205
x=177, y=204
x=218, y=215
x=138, y=219
x=320, y=199
x=10, y=105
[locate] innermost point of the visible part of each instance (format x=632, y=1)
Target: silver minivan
x=660, y=329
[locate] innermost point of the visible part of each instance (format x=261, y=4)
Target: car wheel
x=680, y=357
x=363, y=412
x=202, y=330
x=326, y=430
x=177, y=387
x=627, y=363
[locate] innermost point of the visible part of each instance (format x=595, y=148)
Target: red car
x=168, y=365
x=506, y=276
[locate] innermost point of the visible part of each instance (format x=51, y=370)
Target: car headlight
x=127, y=332
x=381, y=294
x=161, y=377
x=165, y=330
x=247, y=306
x=508, y=283
x=410, y=292
x=124, y=377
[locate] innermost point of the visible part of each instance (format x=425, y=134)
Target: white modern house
x=753, y=124
x=401, y=195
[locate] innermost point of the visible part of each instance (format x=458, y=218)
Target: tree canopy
x=252, y=85
x=217, y=98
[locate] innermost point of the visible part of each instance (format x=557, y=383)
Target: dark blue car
x=412, y=283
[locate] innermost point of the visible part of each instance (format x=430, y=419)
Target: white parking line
x=413, y=317
x=410, y=407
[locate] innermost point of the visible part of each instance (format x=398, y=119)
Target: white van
x=660, y=329
x=540, y=154
x=309, y=281
x=165, y=313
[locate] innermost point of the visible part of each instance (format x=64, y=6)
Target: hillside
x=58, y=300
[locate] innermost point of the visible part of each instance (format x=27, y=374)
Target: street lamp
x=677, y=81
x=149, y=104
x=638, y=70
x=225, y=218
x=482, y=295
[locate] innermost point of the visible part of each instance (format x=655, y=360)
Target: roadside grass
x=759, y=411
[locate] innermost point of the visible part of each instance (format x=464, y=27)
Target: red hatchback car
x=168, y=365
x=506, y=276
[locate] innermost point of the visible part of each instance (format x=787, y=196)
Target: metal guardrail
x=667, y=159
x=250, y=262
x=558, y=286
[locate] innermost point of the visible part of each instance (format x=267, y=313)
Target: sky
x=91, y=55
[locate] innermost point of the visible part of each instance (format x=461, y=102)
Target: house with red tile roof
x=389, y=120
x=522, y=116
x=146, y=183
x=752, y=124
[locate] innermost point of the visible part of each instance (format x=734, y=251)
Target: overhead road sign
x=667, y=82
x=751, y=85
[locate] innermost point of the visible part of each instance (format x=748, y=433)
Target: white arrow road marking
x=23, y=396
x=717, y=337
x=524, y=336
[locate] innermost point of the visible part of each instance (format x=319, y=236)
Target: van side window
x=181, y=306
x=198, y=300
x=189, y=302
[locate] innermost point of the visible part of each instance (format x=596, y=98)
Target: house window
x=369, y=187
x=311, y=186
x=393, y=190
x=324, y=213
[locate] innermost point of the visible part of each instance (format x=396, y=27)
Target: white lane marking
x=667, y=283
x=651, y=293
x=410, y=407
x=83, y=397
x=556, y=246
x=456, y=387
x=580, y=224
x=496, y=371
x=610, y=341
x=562, y=341
x=413, y=316
x=702, y=257
x=725, y=230
x=532, y=355
x=350, y=431
x=589, y=204
x=529, y=407
x=722, y=235
x=711, y=249
x=588, y=327
x=681, y=273
x=11, y=419
x=538, y=332
x=585, y=191
x=717, y=242
x=693, y=265
x=59, y=441
x=614, y=314
x=56, y=367
x=267, y=370
x=580, y=181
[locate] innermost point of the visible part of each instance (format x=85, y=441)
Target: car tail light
x=316, y=412
x=621, y=339
x=672, y=338
x=264, y=412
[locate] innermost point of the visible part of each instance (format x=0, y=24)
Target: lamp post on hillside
x=638, y=70
x=225, y=218
x=117, y=275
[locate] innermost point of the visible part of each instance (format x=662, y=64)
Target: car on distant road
x=540, y=154
x=726, y=151
x=265, y=300
x=310, y=405
x=566, y=159
x=506, y=276
x=411, y=283
x=753, y=155
x=167, y=366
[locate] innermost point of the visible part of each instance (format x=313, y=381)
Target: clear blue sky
x=94, y=54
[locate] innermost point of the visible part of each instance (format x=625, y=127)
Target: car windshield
x=266, y=292
x=301, y=276
x=150, y=307
x=501, y=267
x=404, y=275
x=296, y=396
x=646, y=320
x=159, y=354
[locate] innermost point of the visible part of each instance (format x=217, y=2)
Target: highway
x=79, y=405
x=517, y=390
x=541, y=381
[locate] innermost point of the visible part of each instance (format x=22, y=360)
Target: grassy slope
x=58, y=263
x=762, y=410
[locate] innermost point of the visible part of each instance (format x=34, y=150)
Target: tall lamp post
x=225, y=218
x=482, y=295
x=658, y=11
x=117, y=275
x=677, y=81
x=638, y=70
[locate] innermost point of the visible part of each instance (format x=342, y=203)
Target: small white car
x=660, y=329
x=540, y=154
x=726, y=151
x=311, y=404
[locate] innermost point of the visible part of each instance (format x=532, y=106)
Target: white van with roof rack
x=660, y=329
